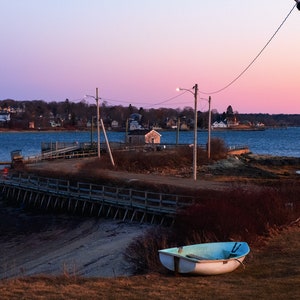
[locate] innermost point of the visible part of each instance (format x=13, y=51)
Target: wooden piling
x=90, y=199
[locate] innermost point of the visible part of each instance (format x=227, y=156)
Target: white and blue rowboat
x=206, y=258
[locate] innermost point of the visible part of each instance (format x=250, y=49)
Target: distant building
x=152, y=137
x=54, y=124
x=4, y=116
x=232, y=122
x=31, y=125
x=220, y=124
x=114, y=124
x=135, y=126
x=142, y=137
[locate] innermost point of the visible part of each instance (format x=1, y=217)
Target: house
x=135, y=126
x=152, y=137
x=55, y=124
x=4, y=116
x=142, y=137
x=232, y=122
x=217, y=124
x=114, y=124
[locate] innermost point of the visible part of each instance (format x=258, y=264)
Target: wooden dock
x=89, y=199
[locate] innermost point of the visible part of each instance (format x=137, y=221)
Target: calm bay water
x=281, y=142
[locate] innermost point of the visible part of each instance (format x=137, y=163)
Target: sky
x=139, y=51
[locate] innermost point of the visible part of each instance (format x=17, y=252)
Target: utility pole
x=195, y=133
x=98, y=124
x=92, y=124
x=209, y=127
x=177, y=130
x=195, y=94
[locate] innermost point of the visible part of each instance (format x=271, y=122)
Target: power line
x=253, y=61
x=217, y=91
x=169, y=99
x=143, y=103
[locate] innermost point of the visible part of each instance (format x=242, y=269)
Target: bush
x=239, y=214
x=172, y=159
x=218, y=149
x=142, y=252
x=140, y=161
x=236, y=214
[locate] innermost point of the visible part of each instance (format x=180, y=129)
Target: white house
x=4, y=116
x=134, y=125
x=217, y=124
x=114, y=124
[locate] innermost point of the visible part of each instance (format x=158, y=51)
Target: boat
x=205, y=258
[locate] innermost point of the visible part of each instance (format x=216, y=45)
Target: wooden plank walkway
x=92, y=199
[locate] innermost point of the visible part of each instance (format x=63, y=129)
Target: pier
x=88, y=199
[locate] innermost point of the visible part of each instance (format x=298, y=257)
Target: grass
x=272, y=272
x=161, y=161
x=234, y=214
x=259, y=216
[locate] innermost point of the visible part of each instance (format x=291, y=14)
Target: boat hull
x=205, y=259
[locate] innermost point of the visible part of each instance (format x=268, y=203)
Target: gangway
x=62, y=152
x=65, y=150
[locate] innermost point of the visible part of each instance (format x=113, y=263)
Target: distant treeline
x=272, y=120
x=39, y=114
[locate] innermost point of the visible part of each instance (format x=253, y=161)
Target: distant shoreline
x=162, y=129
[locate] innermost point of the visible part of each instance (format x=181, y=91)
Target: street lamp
x=98, y=121
x=195, y=94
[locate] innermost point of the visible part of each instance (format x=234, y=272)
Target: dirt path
x=245, y=171
x=75, y=167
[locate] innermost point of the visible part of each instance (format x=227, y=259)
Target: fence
x=92, y=199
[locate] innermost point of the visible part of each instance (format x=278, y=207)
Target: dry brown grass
x=235, y=214
x=272, y=272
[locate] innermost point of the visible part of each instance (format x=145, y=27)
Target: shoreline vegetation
x=249, y=197
x=238, y=128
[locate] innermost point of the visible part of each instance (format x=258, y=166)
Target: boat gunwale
x=206, y=260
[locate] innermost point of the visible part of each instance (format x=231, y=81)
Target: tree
x=229, y=111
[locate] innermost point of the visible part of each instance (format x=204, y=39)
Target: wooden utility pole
x=195, y=133
x=209, y=127
x=98, y=124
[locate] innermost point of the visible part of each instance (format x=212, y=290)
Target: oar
x=234, y=249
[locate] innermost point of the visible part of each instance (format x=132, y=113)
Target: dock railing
x=151, y=202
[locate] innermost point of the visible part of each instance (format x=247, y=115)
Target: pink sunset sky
x=138, y=51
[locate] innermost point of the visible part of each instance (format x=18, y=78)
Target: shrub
x=142, y=251
x=235, y=214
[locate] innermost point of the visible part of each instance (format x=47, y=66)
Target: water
x=281, y=142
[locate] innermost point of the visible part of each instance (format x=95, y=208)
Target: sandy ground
x=47, y=244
